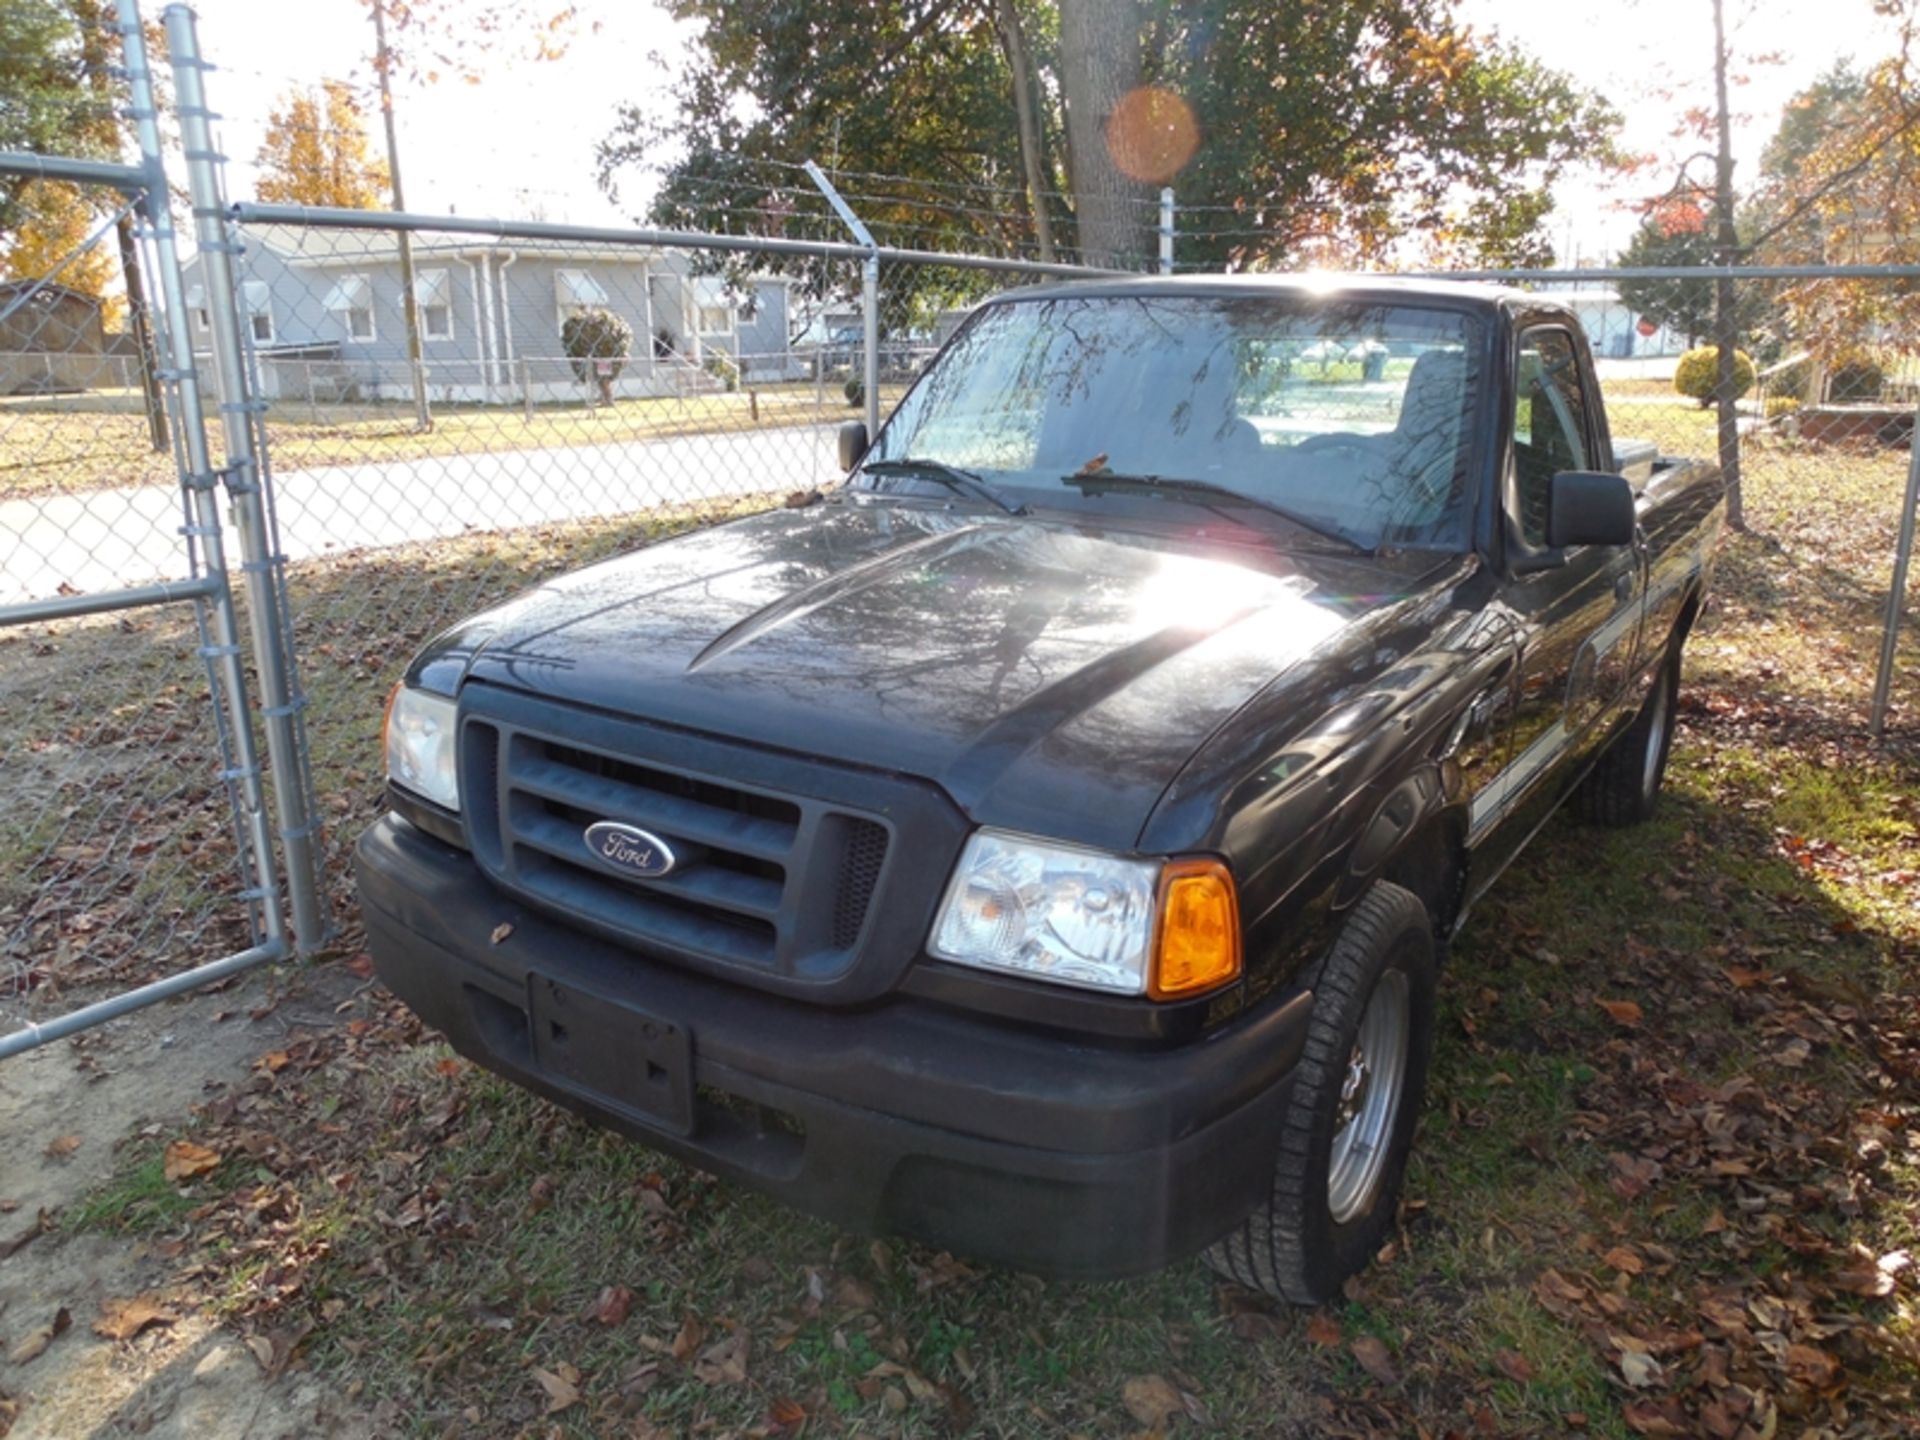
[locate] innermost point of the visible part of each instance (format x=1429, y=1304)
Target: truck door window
x=1549, y=424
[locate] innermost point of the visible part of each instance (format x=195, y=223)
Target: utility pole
x=409, y=302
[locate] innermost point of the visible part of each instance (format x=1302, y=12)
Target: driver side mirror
x=1586, y=507
x=853, y=443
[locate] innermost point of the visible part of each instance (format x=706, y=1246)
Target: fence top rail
x=333, y=218
x=1679, y=272
x=129, y=179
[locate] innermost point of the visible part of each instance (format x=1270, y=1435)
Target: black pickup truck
x=1045, y=843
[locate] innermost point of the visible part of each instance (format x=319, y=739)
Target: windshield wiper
x=951, y=476
x=1205, y=492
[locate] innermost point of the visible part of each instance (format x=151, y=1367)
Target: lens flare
x=1152, y=134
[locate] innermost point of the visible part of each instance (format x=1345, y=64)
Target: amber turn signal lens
x=1197, y=944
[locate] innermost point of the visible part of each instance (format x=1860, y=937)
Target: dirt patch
x=69, y=1111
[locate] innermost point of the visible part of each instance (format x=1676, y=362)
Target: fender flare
x=1406, y=811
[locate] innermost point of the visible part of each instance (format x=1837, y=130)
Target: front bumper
x=1031, y=1149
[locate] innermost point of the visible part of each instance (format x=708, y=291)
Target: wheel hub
x=1353, y=1087
x=1367, y=1109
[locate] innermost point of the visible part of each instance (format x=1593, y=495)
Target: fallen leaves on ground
x=124, y=1319
x=610, y=1307
x=184, y=1160
x=725, y=1361
x=1375, y=1359
x=62, y=1147
x=42, y=1223
x=562, y=1386
x=1622, y=1012
x=34, y=1343
x=1152, y=1400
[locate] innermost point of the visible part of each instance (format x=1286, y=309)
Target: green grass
x=139, y=1199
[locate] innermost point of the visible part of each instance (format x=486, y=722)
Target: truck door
x=1578, y=611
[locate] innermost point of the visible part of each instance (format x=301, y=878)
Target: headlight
x=1055, y=912
x=420, y=746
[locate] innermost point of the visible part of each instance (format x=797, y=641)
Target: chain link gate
x=135, y=830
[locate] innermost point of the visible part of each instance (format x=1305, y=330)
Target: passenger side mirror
x=1586, y=507
x=853, y=443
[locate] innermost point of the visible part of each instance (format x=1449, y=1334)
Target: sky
x=520, y=143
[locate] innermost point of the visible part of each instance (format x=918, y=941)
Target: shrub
x=598, y=342
x=1699, y=370
x=855, y=391
x=1857, y=377
x=724, y=368
x=1778, y=405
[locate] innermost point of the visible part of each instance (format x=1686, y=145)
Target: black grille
x=860, y=862
x=781, y=884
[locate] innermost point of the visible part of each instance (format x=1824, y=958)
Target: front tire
x=1623, y=787
x=1352, y=1112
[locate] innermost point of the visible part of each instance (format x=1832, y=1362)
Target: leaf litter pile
x=1668, y=1181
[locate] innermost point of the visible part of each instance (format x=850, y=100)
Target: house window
x=712, y=310
x=576, y=290
x=197, y=307
x=201, y=322
x=434, y=297
x=259, y=311
x=351, y=302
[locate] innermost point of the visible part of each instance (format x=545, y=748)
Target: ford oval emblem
x=630, y=850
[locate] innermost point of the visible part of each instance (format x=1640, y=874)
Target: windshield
x=1355, y=417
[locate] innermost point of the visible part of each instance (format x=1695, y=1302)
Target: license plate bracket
x=612, y=1053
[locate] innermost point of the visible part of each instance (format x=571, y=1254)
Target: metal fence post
x=1897, y=595
x=869, y=293
x=1166, y=229
x=870, y=336
x=190, y=430
x=246, y=483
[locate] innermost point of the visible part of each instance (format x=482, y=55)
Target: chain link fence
x=118, y=848
x=1816, y=431
x=135, y=837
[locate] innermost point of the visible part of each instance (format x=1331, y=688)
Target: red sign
x=1647, y=327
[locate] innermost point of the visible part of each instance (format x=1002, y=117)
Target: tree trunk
x=1015, y=45
x=1726, y=328
x=1099, y=63
x=138, y=318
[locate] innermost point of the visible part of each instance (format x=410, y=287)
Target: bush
x=724, y=368
x=1856, y=378
x=855, y=391
x=1699, y=371
x=598, y=342
x=1778, y=405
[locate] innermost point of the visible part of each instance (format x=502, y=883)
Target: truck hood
x=1050, y=676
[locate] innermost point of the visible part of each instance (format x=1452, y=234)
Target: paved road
x=113, y=538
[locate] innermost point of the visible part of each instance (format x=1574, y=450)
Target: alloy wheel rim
x=1368, y=1107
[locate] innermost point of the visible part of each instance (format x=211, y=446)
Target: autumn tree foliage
x=316, y=152
x=1292, y=134
x=54, y=222
x=1843, y=188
